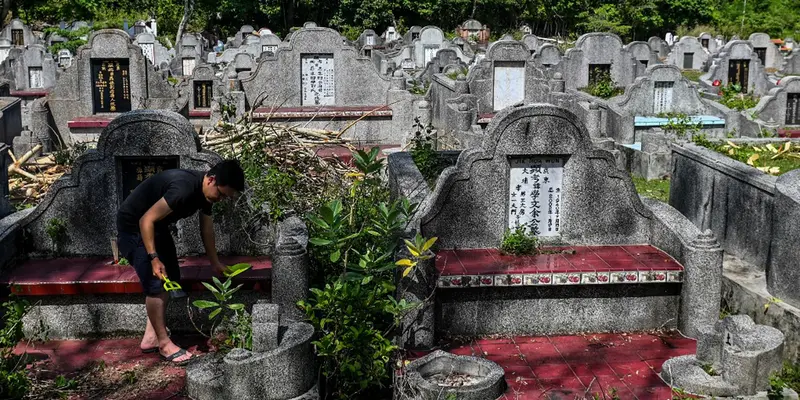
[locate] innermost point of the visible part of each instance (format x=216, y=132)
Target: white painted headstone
x=535, y=194
x=188, y=66
x=65, y=61
x=391, y=34
x=317, y=79
x=149, y=51
x=430, y=53
x=669, y=38
x=407, y=64
x=662, y=96
x=370, y=40
x=509, y=84
x=269, y=47
x=3, y=54
x=35, y=78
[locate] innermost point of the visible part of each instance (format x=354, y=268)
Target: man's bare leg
x=156, y=315
x=149, y=340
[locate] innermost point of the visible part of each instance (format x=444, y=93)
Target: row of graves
x=612, y=261
x=315, y=77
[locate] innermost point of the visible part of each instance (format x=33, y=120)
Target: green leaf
x=236, y=306
x=320, y=242
x=429, y=244
x=214, y=313
x=202, y=304
x=318, y=222
x=211, y=288
x=366, y=280
x=407, y=270
x=335, y=256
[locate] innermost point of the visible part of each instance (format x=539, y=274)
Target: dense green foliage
x=734, y=97
x=631, y=19
x=655, y=188
x=519, y=242
x=773, y=159
x=423, y=152
x=14, y=382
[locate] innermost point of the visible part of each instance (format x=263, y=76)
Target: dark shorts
x=132, y=248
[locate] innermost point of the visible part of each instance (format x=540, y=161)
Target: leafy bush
x=74, y=39
x=353, y=306
x=56, y=229
x=423, y=151
x=67, y=154
x=604, y=87
x=14, y=382
x=234, y=328
x=788, y=377
x=734, y=97
x=519, y=242
x=680, y=124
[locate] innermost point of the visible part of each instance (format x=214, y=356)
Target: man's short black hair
x=228, y=173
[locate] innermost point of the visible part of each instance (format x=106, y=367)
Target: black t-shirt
x=181, y=188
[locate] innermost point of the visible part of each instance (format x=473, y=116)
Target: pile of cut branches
x=29, y=177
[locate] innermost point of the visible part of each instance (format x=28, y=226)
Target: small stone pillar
x=557, y=84
x=464, y=120
x=418, y=326
x=702, y=285
x=423, y=112
x=266, y=323
x=594, y=119
x=39, y=126
x=462, y=87
x=398, y=81
x=290, y=268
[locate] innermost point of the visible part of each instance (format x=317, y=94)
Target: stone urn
x=442, y=374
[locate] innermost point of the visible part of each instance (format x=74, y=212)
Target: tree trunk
x=4, y=11
x=188, y=8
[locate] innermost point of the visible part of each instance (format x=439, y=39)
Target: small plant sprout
x=418, y=251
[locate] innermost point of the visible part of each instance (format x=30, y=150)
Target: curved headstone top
x=431, y=34
x=588, y=36
x=470, y=205
x=310, y=25
x=508, y=50
x=472, y=25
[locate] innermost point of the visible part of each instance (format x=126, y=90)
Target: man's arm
x=147, y=228
x=207, y=232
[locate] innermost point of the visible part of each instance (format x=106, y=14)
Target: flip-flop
x=150, y=350
x=175, y=355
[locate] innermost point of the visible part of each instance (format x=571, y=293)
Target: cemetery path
x=589, y=366
x=540, y=367
x=105, y=369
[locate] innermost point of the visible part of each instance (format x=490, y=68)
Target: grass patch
x=656, y=188
x=774, y=159
x=692, y=74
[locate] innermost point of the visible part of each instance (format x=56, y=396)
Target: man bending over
x=144, y=239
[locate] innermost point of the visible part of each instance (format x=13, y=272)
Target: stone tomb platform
x=88, y=297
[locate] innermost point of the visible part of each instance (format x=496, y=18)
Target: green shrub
x=604, y=87
x=14, y=381
x=736, y=98
x=423, y=151
x=680, y=124
x=519, y=242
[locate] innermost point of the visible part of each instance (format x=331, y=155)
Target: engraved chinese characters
x=203, y=93
x=111, y=91
x=136, y=170
x=317, y=79
x=35, y=78
x=535, y=194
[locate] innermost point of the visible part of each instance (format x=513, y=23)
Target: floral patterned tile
x=508, y=280
x=674, y=276
x=594, y=278
x=624, y=277
x=652, y=276
x=566, y=278
x=538, y=279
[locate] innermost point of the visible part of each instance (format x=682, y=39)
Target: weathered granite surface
x=285, y=373
x=88, y=198
x=688, y=44
x=417, y=384
x=783, y=274
x=757, y=82
x=597, y=48
x=771, y=109
x=742, y=354
x=72, y=95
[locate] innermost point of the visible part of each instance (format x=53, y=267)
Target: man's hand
x=158, y=269
x=218, y=267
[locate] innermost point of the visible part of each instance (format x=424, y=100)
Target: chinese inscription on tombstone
x=202, y=94
x=17, y=37
x=535, y=194
x=111, y=89
x=149, y=51
x=35, y=78
x=317, y=79
x=269, y=48
x=136, y=170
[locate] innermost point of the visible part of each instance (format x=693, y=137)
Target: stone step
x=566, y=290
x=75, y=276
x=574, y=265
x=76, y=298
